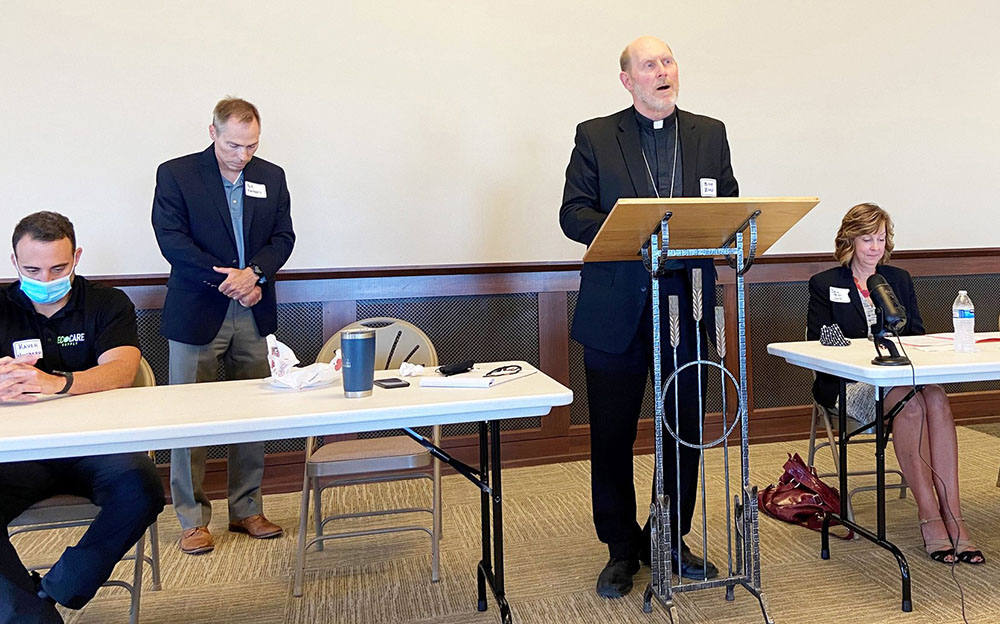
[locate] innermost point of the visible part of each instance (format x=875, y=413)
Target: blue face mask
x=46, y=292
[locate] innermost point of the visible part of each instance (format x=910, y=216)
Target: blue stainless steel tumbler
x=358, y=351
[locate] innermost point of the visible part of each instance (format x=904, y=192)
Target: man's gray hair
x=625, y=60
x=243, y=111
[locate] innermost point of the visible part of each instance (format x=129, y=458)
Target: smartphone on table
x=391, y=382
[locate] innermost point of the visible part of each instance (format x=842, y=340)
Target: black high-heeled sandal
x=964, y=549
x=940, y=549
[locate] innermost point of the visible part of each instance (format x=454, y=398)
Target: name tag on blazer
x=840, y=295
x=257, y=190
x=708, y=187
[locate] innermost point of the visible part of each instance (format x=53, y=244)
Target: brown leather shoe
x=257, y=527
x=196, y=541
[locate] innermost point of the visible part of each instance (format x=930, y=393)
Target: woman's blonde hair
x=862, y=219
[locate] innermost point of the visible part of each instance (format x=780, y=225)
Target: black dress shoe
x=616, y=578
x=36, y=579
x=693, y=567
x=645, y=558
x=47, y=612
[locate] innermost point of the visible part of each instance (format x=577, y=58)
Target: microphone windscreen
x=874, y=280
x=885, y=300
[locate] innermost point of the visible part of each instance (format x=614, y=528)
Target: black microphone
x=893, y=313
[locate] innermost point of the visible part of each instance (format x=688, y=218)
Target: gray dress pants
x=244, y=355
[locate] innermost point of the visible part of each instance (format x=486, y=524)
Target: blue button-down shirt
x=234, y=198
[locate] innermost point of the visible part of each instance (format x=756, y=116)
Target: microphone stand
x=879, y=336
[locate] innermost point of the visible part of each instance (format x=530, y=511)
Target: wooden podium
x=738, y=229
x=694, y=223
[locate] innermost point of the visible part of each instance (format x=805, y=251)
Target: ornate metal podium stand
x=736, y=229
x=742, y=515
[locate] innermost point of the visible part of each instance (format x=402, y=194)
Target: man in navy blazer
x=222, y=220
x=650, y=149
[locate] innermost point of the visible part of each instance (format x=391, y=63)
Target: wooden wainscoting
x=557, y=439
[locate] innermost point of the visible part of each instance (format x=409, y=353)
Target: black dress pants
x=616, y=383
x=130, y=494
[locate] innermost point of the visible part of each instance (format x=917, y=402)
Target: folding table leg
x=485, y=565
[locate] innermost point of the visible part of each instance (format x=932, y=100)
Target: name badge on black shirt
x=29, y=347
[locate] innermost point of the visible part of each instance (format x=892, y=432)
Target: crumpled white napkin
x=285, y=373
x=411, y=370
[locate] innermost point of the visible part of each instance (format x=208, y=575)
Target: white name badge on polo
x=840, y=295
x=30, y=347
x=256, y=190
x=708, y=187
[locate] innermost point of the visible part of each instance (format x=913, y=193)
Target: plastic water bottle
x=963, y=315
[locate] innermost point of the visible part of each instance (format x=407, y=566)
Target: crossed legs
x=926, y=446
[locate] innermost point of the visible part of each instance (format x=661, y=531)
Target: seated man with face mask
x=60, y=334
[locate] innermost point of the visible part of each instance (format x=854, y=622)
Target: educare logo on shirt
x=71, y=340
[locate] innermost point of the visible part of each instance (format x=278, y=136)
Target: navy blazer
x=851, y=316
x=606, y=164
x=195, y=232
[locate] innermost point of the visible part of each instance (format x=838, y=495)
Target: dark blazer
x=195, y=232
x=606, y=164
x=851, y=316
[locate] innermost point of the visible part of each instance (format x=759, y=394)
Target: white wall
x=426, y=131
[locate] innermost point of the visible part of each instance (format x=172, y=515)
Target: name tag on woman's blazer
x=840, y=295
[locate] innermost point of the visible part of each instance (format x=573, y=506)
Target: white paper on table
x=930, y=343
x=986, y=341
x=930, y=340
x=938, y=348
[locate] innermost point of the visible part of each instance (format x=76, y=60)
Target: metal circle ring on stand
x=739, y=405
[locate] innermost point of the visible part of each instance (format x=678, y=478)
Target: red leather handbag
x=801, y=498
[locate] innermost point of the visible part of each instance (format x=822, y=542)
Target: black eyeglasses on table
x=500, y=371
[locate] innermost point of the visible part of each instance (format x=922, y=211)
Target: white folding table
x=161, y=417
x=933, y=362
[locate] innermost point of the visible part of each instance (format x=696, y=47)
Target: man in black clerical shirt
x=651, y=149
x=60, y=334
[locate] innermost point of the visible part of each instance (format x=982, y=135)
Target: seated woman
x=924, y=431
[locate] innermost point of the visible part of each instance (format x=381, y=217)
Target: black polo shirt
x=96, y=319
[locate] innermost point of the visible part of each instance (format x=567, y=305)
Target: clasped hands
x=21, y=381
x=240, y=284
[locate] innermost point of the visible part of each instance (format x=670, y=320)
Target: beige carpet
x=553, y=558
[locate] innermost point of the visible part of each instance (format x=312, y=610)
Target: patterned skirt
x=860, y=402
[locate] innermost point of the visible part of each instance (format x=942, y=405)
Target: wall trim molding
x=903, y=257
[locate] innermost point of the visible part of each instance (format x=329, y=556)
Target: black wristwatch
x=69, y=380
x=259, y=272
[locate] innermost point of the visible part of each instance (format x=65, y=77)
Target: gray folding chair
x=372, y=460
x=65, y=511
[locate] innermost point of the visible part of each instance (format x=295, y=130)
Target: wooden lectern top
x=696, y=223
